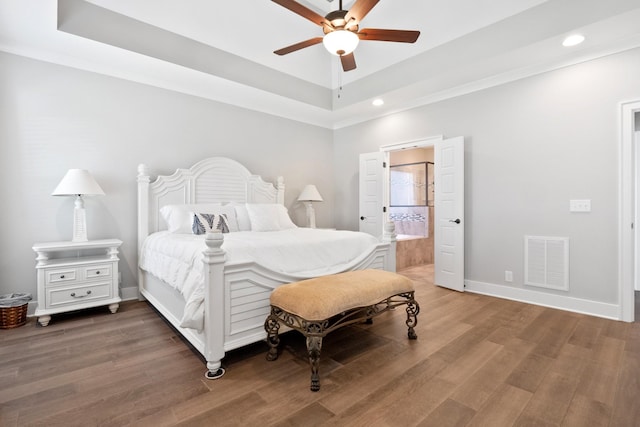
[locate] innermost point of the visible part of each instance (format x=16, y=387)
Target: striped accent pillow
x=207, y=223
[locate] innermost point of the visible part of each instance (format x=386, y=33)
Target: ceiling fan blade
x=348, y=62
x=298, y=46
x=360, y=9
x=303, y=11
x=403, y=36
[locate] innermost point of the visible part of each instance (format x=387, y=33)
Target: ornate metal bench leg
x=412, y=317
x=314, y=344
x=271, y=325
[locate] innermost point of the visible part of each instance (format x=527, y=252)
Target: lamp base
x=311, y=215
x=79, y=222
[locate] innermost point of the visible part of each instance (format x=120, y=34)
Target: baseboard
x=128, y=294
x=577, y=305
x=31, y=308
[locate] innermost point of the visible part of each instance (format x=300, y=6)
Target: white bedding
x=304, y=252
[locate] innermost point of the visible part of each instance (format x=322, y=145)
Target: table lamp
x=78, y=182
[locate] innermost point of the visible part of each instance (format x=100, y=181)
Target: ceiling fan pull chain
x=339, y=80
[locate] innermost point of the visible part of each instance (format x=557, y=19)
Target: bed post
x=143, y=217
x=389, y=236
x=214, y=307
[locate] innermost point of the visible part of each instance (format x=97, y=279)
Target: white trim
x=129, y=293
x=31, y=308
x=626, y=197
x=429, y=141
x=545, y=299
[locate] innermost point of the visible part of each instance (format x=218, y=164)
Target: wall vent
x=546, y=262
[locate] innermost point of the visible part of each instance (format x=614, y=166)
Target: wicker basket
x=12, y=317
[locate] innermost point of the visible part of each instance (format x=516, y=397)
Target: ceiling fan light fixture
x=340, y=42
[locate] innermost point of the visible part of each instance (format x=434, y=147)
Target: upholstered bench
x=316, y=307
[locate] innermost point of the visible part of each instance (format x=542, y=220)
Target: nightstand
x=76, y=275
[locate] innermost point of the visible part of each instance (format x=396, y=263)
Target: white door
x=449, y=213
x=371, y=193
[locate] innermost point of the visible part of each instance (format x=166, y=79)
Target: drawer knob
x=62, y=276
x=97, y=272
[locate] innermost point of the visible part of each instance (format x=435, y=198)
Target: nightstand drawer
x=77, y=294
x=53, y=277
x=65, y=276
x=97, y=271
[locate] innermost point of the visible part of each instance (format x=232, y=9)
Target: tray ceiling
x=224, y=50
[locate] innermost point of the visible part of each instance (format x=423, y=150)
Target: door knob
x=457, y=220
x=361, y=218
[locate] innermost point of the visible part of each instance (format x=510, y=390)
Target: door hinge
x=384, y=164
x=384, y=209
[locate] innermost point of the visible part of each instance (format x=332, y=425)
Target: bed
x=233, y=285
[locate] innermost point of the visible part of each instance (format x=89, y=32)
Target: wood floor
x=478, y=361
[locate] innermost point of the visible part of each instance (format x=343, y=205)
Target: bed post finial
x=389, y=232
x=214, y=242
x=389, y=236
x=143, y=171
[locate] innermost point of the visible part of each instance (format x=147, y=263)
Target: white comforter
x=303, y=252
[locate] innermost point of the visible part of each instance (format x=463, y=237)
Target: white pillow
x=242, y=216
x=285, y=219
x=230, y=213
x=179, y=218
x=268, y=217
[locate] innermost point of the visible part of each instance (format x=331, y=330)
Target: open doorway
x=414, y=224
x=411, y=204
x=448, y=212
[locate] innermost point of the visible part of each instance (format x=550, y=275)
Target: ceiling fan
x=341, y=30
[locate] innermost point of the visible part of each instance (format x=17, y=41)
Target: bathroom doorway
x=411, y=204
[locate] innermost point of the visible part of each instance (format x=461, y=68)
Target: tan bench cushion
x=323, y=297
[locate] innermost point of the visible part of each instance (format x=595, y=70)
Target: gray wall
x=53, y=118
x=530, y=146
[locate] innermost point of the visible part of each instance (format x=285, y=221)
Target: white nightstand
x=76, y=275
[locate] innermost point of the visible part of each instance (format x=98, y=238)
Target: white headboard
x=216, y=179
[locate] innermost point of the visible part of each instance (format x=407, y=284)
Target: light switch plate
x=583, y=205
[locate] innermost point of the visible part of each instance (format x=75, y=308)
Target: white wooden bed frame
x=236, y=295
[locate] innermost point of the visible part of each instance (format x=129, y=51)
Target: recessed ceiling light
x=573, y=40
x=378, y=102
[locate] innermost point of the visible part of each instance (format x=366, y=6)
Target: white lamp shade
x=76, y=182
x=340, y=42
x=310, y=194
